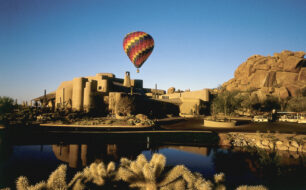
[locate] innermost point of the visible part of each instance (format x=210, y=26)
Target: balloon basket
x=137, y=70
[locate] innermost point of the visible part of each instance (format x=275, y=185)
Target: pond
x=37, y=157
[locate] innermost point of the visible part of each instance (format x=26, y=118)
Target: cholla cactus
x=148, y=175
x=77, y=181
x=219, y=179
x=98, y=173
x=57, y=179
x=257, y=187
x=137, y=174
x=191, y=180
x=22, y=183
x=141, y=173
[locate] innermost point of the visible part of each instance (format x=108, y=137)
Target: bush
x=270, y=103
x=125, y=106
x=297, y=104
x=6, y=104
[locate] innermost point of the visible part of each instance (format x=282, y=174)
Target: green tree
x=250, y=102
x=227, y=102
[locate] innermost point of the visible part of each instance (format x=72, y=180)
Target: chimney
x=127, y=79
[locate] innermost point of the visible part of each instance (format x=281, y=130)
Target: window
x=165, y=97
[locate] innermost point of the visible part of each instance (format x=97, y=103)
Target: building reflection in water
x=80, y=155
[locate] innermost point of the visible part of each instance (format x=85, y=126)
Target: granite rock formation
x=281, y=75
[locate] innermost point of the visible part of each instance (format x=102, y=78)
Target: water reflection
x=204, y=151
x=241, y=166
x=81, y=155
x=277, y=170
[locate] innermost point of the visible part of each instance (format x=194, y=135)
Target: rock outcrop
x=281, y=75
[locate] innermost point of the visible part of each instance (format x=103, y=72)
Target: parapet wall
x=137, y=83
x=190, y=106
x=198, y=94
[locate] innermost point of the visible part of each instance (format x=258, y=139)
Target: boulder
x=293, y=149
x=285, y=72
x=302, y=75
x=283, y=78
x=265, y=142
x=257, y=80
x=261, y=95
x=141, y=117
x=295, y=144
x=300, y=54
x=281, y=147
x=291, y=64
x=171, y=90
x=293, y=90
x=281, y=92
x=270, y=79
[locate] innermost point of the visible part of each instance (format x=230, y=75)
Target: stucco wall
x=198, y=94
x=189, y=106
x=66, y=96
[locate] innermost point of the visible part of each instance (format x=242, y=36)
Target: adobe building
x=86, y=93
x=104, y=91
x=190, y=102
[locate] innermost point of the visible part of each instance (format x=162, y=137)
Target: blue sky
x=198, y=44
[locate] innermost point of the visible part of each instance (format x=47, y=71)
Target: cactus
x=139, y=174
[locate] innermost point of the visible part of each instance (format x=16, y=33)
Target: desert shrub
x=297, y=104
x=6, y=104
x=303, y=92
x=108, y=121
x=125, y=106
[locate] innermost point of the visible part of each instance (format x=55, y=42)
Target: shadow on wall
x=154, y=108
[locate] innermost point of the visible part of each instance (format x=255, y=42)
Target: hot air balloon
x=138, y=46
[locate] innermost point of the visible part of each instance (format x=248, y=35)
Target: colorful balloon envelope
x=138, y=46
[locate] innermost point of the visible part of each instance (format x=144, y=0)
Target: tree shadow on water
x=256, y=166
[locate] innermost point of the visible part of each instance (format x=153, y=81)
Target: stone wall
x=271, y=141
